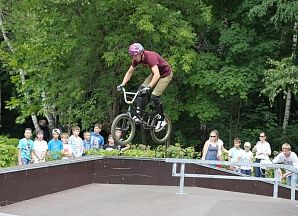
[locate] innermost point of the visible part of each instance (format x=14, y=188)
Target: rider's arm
x=128, y=75
x=155, y=77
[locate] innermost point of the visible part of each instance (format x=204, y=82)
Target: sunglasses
x=212, y=136
x=262, y=136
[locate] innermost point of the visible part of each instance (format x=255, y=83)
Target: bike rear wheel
x=123, y=129
x=163, y=135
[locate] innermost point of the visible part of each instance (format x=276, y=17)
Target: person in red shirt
x=159, y=78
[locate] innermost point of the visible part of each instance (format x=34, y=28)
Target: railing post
x=182, y=172
x=275, y=187
x=174, y=170
x=293, y=186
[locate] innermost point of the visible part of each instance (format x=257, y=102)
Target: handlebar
x=126, y=94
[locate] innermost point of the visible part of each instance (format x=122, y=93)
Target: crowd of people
x=63, y=145
x=214, y=150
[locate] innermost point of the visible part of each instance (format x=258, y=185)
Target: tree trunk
x=294, y=56
x=48, y=112
x=238, y=117
x=231, y=122
x=289, y=95
x=21, y=71
x=287, y=111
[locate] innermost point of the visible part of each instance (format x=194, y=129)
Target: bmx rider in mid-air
x=159, y=78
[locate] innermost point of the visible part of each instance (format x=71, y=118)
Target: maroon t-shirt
x=151, y=59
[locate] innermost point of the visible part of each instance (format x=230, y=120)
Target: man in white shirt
x=287, y=157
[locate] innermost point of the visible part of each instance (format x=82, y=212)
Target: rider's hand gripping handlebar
x=120, y=87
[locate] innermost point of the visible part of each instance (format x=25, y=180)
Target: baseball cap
x=56, y=130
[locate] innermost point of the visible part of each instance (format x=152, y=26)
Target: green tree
x=283, y=77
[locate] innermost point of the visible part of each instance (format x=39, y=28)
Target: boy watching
x=118, y=134
x=287, y=157
x=25, y=152
x=55, y=146
x=234, y=153
x=67, y=149
x=111, y=144
x=97, y=141
x=246, y=157
x=86, y=141
x=76, y=142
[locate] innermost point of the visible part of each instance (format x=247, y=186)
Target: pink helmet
x=135, y=49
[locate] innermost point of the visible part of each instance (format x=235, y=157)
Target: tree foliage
x=74, y=53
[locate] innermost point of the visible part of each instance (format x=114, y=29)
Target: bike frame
x=134, y=96
x=128, y=124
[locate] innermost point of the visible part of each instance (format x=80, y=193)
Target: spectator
x=76, y=142
x=213, y=147
x=67, y=149
x=86, y=141
x=124, y=147
x=287, y=157
x=234, y=154
x=25, y=148
x=55, y=146
x=111, y=144
x=97, y=141
x=262, y=150
x=246, y=157
x=45, y=129
x=40, y=147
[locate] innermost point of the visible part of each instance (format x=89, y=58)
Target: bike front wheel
x=123, y=129
x=163, y=135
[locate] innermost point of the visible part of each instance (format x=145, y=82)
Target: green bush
x=102, y=152
x=141, y=150
x=9, y=141
x=50, y=156
x=8, y=155
x=176, y=151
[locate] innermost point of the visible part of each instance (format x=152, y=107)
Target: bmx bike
x=124, y=126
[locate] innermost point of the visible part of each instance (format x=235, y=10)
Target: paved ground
x=137, y=200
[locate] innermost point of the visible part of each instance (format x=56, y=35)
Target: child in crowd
x=55, y=146
x=287, y=157
x=25, y=148
x=246, y=156
x=118, y=133
x=40, y=147
x=111, y=144
x=86, y=141
x=97, y=141
x=76, y=142
x=67, y=149
x=234, y=153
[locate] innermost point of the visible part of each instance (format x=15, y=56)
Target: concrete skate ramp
x=148, y=200
x=32, y=181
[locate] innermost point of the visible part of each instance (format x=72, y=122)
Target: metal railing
x=182, y=173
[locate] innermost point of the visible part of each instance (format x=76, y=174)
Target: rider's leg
x=142, y=101
x=157, y=92
x=158, y=106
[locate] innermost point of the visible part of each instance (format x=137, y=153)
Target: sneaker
x=137, y=120
x=160, y=125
